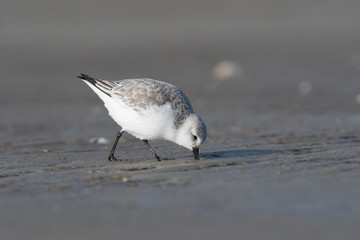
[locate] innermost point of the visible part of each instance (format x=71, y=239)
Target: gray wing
x=143, y=93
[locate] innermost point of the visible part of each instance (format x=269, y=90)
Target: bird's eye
x=194, y=137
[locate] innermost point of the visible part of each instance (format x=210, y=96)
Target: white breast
x=156, y=122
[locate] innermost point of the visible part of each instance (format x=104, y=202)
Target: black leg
x=111, y=155
x=152, y=150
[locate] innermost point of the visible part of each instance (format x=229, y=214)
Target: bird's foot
x=112, y=158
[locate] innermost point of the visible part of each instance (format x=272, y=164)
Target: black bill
x=196, y=153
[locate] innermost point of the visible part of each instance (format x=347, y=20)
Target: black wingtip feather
x=92, y=81
x=87, y=78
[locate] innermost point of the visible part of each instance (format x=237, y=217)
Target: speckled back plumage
x=139, y=94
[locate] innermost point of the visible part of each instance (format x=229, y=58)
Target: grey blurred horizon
x=277, y=83
x=278, y=45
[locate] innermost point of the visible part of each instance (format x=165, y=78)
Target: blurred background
x=276, y=81
x=281, y=55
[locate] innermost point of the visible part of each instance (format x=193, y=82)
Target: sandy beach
x=277, y=85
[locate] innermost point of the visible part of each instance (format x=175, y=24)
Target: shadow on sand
x=252, y=152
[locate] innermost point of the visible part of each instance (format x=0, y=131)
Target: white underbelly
x=153, y=123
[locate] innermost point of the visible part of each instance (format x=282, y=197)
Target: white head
x=192, y=133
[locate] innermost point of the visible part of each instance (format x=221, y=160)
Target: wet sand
x=282, y=157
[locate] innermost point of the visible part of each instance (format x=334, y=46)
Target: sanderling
x=149, y=109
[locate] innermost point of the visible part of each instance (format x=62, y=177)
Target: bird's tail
x=103, y=85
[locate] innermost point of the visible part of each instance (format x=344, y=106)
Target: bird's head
x=192, y=133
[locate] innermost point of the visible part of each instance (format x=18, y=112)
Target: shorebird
x=149, y=109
